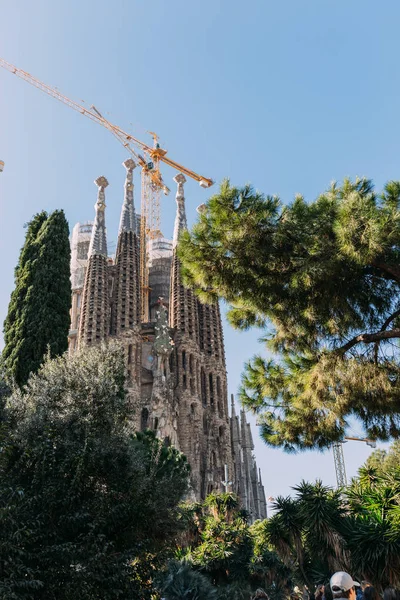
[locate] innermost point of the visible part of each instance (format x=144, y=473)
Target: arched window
x=210, y=381
x=205, y=424
x=129, y=354
x=218, y=387
x=144, y=420
x=203, y=383
x=191, y=364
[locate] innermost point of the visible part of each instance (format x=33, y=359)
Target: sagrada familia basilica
x=176, y=372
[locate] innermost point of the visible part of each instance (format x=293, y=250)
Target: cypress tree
x=38, y=315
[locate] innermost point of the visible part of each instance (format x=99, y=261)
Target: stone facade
x=175, y=363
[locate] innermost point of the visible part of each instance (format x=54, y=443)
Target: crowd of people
x=341, y=587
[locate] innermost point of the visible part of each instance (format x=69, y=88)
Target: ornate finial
x=128, y=218
x=180, y=179
x=98, y=241
x=129, y=164
x=101, y=182
x=180, y=219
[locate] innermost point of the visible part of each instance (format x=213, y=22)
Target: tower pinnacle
x=98, y=242
x=125, y=303
x=94, y=326
x=128, y=217
x=180, y=219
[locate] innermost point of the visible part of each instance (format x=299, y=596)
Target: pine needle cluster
x=321, y=281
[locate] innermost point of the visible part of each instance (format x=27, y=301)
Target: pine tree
x=322, y=280
x=38, y=315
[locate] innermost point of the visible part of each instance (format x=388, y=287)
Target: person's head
x=319, y=592
x=343, y=586
x=365, y=584
x=391, y=594
x=370, y=593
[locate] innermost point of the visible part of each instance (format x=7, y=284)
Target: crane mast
x=338, y=457
x=152, y=182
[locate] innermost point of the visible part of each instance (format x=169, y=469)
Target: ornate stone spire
x=125, y=307
x=98, y=242
x=94, y=319
x=233, y=411
x=235, y=427
x=183, y=306
x=128, y=216
x=180, y=219
x=243, y=430
x=249, y=437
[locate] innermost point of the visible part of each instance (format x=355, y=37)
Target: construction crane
x=152, y=182
x=338, y=457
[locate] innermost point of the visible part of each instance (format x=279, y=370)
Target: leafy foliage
x=38, y=314
x=321, y=280
x=182, y=583
x=321, y=531
x=385, y=461
x=87, y=508
x=235, y=556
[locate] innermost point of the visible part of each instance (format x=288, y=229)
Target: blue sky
x=286, y=95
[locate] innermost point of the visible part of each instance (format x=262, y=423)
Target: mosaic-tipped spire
x=180, y=219
x=125, y=304
x=94, y=325
x=128, y=216
x=98, y=242
x=183, y=313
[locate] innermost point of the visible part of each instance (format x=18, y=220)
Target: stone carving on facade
x=163, y=343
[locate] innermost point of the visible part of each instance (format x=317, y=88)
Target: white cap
x=342, y=581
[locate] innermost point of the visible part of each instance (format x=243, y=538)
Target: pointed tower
x=186, y=364
x=183, y=308
x=247, y=450
x=125, y=295
x=263, y=501
x=236, y=450
x=125, y=312
x=94, y=319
